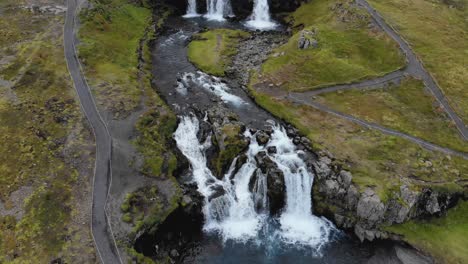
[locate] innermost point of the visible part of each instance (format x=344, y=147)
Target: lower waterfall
x=260, y=17
x=229, y=206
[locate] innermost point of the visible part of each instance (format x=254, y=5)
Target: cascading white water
x=218, y=9
x=260, y=17
x=232, y=213
x=191, y=9
x=210, y=84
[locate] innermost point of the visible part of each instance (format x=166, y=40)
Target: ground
x=444, y=237
x=47, y=151
x=437, y=31
x=407, y=107
x=144, y=190
x=349, y=49
x=212, y=51
x=377, y=160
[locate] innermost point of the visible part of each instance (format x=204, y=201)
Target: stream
x=237, y=227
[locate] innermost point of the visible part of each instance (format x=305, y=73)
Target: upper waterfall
x=192, y=9
x=218, y=9
x=260, y=18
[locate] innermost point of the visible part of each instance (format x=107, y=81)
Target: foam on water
x=191, y=9
x=260, y=17
x=210, y=84
x=232, y=214
x=218, y=9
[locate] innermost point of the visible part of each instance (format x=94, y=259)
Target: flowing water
x=218, y=9
x=191, y=9
x=230, y=207
x=235, y=230
x=260, y=17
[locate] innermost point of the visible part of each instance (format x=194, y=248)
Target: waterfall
x=260, y=17
x=218, y=9
x=191, y=9
x=229, y=206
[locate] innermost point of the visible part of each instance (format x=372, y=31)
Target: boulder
x=276, y=188
x=262, y=138
x=369, y=208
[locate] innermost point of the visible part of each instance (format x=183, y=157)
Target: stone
x=174, y=253
x=370, y=208
x=345, y=178
x=262, y=138
x=352, y=197
x=275, y=182
x=272, y=150
x=432, y=205
x=322, y=167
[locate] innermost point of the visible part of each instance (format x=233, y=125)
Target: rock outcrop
x=364, y=211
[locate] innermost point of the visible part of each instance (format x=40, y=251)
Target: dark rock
x=262, y=138
x=369, y=208
x=272, y=150
x=276, y=191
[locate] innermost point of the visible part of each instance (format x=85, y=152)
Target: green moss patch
x=109, y=40
x=212, y=51
x=444, y=237
x=347, y=50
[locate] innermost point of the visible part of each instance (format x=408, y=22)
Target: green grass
x=444, y=237
x=146, y=207
x=408, y=107
x=375, y=159
x=439, y=35
x=346, y=52
x=212, y=51
x=109, y=39
x=41, y=129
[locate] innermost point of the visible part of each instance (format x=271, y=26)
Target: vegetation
x=42, y=130
x=408, y=107
x=212, y=51
x=110, y=37
x=375, y=159
x=348, y=50
x=437, y=31
x=146, y=208
x=444, y=237
x=231, y=145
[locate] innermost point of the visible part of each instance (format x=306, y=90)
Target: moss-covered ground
x=212, y=51
x=41, y=132
x=444, y=237
x=109, y=38
x=348, y=49
x=375, y=159
x=438, y=32
x=408, y=107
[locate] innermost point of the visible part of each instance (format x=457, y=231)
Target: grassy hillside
x=444, y=237
x=438, y=32
x=110, y=34
x=348, y=49
x=46, y=151
x=408, y=107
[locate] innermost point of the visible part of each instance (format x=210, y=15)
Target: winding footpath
x=413, y=68
x=100, y=226
x=425, y=144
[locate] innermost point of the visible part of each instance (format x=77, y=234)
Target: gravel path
x=413, y=68
x=299, y=98
x=100, y=226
